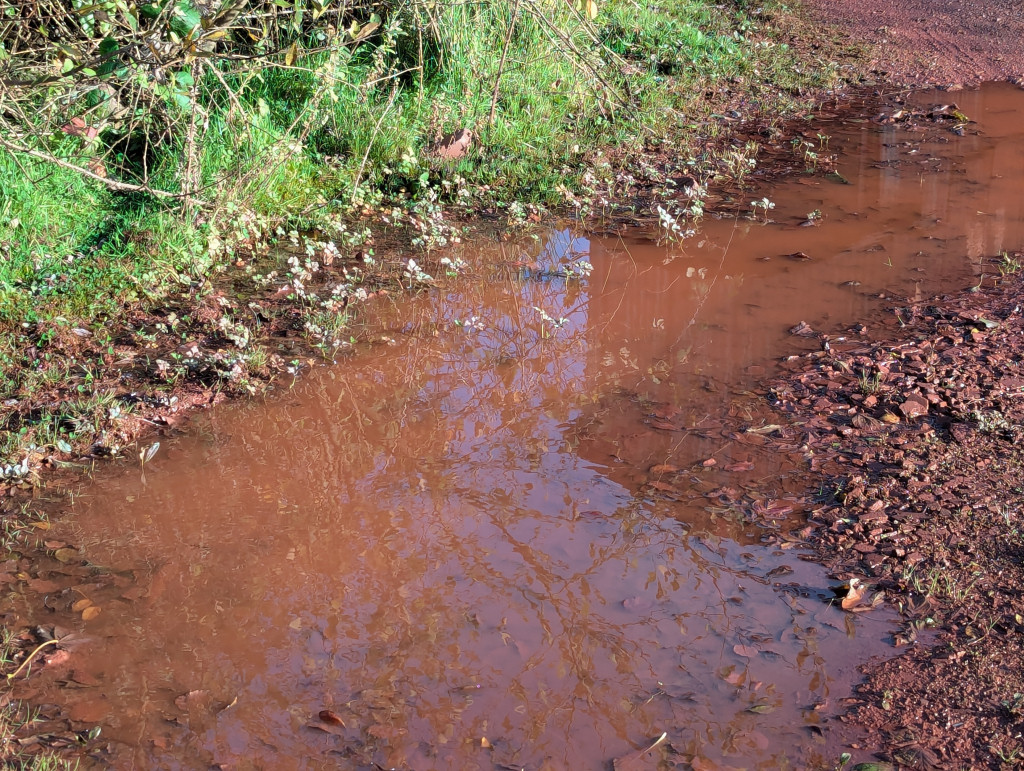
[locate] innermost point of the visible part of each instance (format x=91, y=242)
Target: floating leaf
x=743, y=465
x=331, y=717
x=761, y=709
x=769, y=429
x=66, y=555
x=747, y=651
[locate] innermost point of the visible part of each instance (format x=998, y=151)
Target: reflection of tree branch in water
x=707, y=292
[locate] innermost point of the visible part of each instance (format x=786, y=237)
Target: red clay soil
x=933, y=42
x=918, y=438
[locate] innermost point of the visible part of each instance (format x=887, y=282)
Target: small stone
x=914, y=405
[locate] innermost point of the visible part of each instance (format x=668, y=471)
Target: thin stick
x=369, y=145
x=501, y=64
x=25, y=663
x=112, y=184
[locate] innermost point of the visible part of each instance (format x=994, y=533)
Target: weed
x=870, y=383
x=764, y=204
x=1009, y=265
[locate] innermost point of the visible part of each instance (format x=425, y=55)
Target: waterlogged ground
x=495, y=537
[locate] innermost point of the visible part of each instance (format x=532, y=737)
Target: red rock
x=914, y=405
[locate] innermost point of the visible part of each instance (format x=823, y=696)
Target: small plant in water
x=763, y=204
x=548, y=322
x=870, y=384
x=453, y=266
x=670, y=225
x=415, y=275
x=472, y=324
x=1008, y=265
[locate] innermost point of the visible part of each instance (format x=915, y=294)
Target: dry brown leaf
x=67, y=554
x=331, y=717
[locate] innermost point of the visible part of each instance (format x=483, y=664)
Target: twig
x=25, y=663
x=113, y=184
x=501, y=64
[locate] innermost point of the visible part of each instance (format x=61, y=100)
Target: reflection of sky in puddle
x=418, y=520
x=460, y=509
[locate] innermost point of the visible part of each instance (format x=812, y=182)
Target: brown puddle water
x=444, y=539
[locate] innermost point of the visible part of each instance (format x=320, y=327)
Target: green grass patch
x=132, y=186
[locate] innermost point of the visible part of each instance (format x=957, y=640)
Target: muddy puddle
x=469, y=546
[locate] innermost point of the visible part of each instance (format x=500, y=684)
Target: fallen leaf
x=331, y=717
x=454, y=146
x=747, y=651
x=91, y=612
x=81, y=605
x=744, y=465
x=664, y=468
x=803, y=329
x=58, y=657
x=66, y=554
x=42, y=585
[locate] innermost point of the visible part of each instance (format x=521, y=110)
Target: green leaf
x=151, y=10
x=184, y=79
x=182, y=100
x=185, y=19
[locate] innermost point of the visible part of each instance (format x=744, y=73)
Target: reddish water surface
x=447, y=541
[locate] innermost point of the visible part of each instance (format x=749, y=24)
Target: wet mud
x=542, y=520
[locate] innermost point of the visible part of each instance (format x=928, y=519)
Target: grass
x=330, y=144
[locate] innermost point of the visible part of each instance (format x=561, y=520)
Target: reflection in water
x=443, y=539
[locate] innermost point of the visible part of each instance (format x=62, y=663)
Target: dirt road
x=934, y=42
